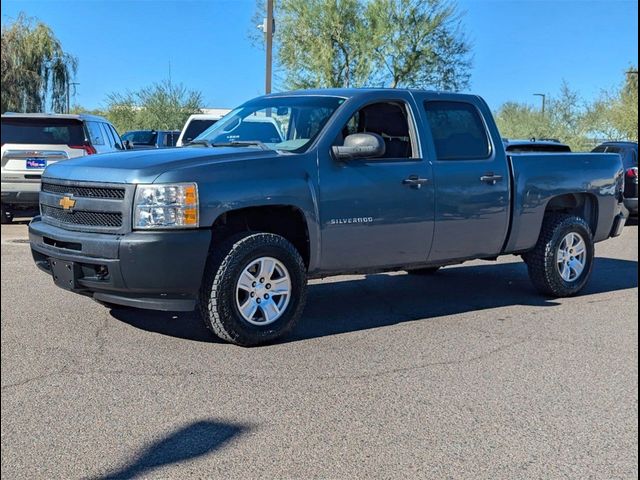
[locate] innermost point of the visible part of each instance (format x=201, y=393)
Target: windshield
x=280, y=123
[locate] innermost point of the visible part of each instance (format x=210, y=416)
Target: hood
x=134, y=166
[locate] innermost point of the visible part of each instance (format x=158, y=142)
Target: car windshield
x=280, y=123
x=142, y=137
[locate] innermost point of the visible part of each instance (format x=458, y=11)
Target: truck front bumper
x=159, y=270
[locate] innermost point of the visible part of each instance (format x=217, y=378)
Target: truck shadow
x=347, y=305
x=191, y=441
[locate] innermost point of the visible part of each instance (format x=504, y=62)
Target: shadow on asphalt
x=196, y=440
x=382, y=300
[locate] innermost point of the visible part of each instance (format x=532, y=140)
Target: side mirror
x=360, y=145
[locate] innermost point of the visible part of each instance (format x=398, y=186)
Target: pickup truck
x=355, y=181
x=147, y=139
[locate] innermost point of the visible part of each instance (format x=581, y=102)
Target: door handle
x=415, y=181
x=490, y=178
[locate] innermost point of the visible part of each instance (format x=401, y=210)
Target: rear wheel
x=560, y=264
x=254, y=289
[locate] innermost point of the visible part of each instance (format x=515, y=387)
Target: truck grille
x=87, y=206
x=79, y=217
x=87, y=192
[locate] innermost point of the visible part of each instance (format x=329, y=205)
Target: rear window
x=195, y=128
x=42, y=131
x=458, y=131
x=607, y=149
x=629, y=157
x=537, y=148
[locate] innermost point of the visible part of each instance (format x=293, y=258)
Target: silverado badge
x=67, y=203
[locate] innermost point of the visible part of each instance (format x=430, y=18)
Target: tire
x=222, y=295
x=545, y=262
x=423, y=271
x=6, y=216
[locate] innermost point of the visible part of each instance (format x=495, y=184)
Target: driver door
x=377, y=212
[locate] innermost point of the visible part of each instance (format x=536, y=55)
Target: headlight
x=166, y=206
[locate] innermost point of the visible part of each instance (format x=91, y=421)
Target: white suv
x=198, y=123
x=31, y=141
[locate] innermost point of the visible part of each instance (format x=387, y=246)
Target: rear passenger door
x=471, y=180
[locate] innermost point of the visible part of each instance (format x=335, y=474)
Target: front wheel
x=560, y=264
x=254, y=289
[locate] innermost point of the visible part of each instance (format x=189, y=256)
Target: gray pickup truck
x=365, y=180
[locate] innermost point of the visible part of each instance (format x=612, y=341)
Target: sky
x=520, y=47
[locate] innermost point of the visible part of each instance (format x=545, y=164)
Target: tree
x=34, y=67
x=614, y=115
x=565, y=119
x=320, y=43
x=162, y=105
x=355, y=43
x=418, y=43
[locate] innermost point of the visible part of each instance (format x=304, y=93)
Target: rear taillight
x=88, y=149
x=632, y=172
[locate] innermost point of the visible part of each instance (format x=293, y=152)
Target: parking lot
x=465, y=374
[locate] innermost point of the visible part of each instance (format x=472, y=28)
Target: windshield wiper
x=242, y=143
x=206, y=143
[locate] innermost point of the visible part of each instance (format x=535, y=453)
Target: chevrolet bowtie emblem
x=67, y=203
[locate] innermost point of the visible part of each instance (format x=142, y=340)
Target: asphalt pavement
x=465, y=374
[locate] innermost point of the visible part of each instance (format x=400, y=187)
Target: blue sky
x=521, y=47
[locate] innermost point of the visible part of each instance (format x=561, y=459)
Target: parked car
x=363, y=180
x=145, y=139
x=198, y=123
x=535, y=145
x=31, y=141
x=629, y=153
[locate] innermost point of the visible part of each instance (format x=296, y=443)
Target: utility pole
x=544, y=97
x=69, y=95
x=268, y=30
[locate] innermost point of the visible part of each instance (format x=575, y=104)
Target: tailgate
x=30, y=143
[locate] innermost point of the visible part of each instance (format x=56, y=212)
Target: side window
x=95, y=134
x=107, y=135
x=458, y=131
x=390, y=120
x=116, y=137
